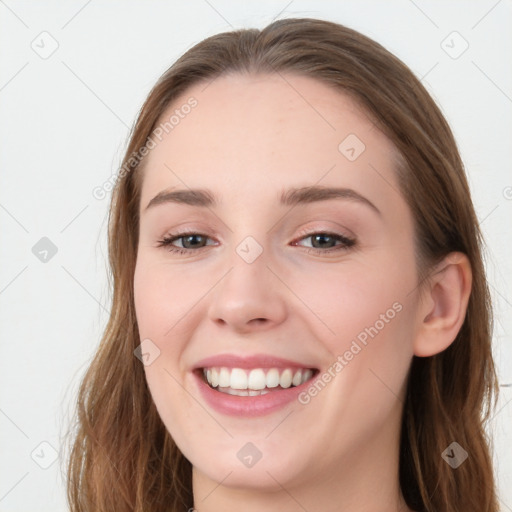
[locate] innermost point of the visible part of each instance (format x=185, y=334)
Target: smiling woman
x=300, y=315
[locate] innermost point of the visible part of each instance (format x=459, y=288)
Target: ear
x=442, y=309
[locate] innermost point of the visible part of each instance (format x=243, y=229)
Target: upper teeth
x=257, y=378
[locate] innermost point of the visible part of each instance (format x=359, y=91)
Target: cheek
x=369, y=314
x=159, y=306
x=366, y=322
x=164, y=308
x=356, y=302
x=168, y=309
x=164, y=298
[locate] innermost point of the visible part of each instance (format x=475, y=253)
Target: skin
x=249, y=138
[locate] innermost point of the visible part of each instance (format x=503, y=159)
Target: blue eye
x=190, y=242
x=321, y=242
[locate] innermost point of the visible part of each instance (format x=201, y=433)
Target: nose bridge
x=247, y=295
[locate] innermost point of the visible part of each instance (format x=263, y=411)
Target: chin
x=258, y=466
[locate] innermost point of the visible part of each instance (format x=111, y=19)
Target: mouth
x=254, y=381
x=251, y=385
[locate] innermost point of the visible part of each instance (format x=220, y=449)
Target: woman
x=300, y=317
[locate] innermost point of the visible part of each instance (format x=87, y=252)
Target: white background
x=64, y=122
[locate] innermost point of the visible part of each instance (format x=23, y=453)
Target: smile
x=251, y=385
x=256, y=381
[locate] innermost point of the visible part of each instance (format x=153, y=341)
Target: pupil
x=322, y=238
x=190, y=240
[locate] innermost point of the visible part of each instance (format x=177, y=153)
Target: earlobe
x=442, y=311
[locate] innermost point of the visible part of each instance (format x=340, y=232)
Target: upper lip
x=253, y=361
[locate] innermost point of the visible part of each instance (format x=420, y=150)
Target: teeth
x=224, y=378
x=273, y=378
x=215, y=377
x=297, y=378
x=306, y=376
x=286, y=378
x=243, y=392
x=258, y=381
x=238, y=379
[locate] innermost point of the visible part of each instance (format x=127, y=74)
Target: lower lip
x=248, y=405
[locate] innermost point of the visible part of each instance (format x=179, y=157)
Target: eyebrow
x=291, y=197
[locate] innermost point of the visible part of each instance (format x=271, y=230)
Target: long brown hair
x=122, y=458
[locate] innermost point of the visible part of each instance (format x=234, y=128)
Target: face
x=294, y=302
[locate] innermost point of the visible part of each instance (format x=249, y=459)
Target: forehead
x=256, y=132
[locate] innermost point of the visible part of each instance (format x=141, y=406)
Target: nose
x=250, y=297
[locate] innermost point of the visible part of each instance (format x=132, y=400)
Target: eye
x=321, y=242
x=189, y=242
x=325, y=242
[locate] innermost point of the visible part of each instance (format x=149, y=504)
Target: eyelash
x=346, y=242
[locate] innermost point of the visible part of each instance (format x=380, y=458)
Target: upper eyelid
x=303, y=231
